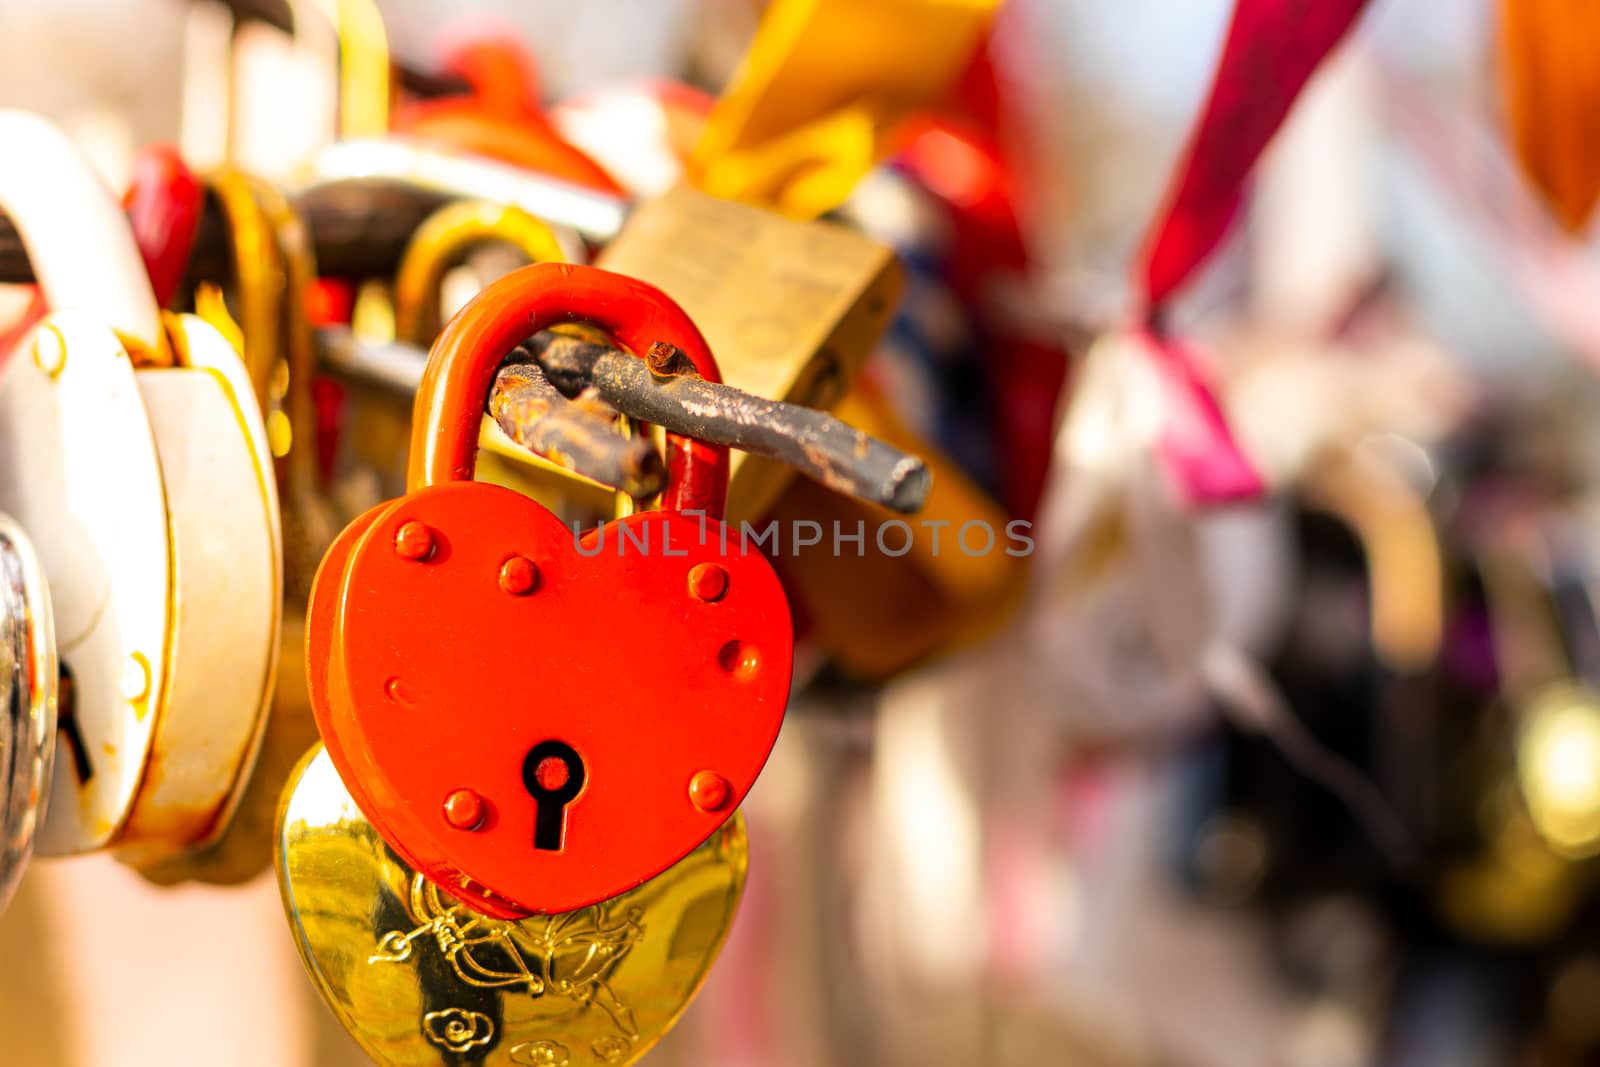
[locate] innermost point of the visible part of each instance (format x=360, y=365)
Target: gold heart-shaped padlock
x=420, y=979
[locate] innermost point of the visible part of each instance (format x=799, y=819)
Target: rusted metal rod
x=665, y=391
x=579, y=435
x=605, y=379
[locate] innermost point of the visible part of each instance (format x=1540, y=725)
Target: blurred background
x=1303, y=777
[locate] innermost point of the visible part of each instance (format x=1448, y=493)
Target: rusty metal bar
x=814, y=442
x=579, y=435
x=665, y=391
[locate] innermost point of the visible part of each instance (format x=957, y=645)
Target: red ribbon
x=1273, y=48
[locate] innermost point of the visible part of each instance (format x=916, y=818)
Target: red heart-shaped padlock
x=534, y=721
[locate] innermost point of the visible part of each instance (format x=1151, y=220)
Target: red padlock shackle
x=467, y=354
x=164, y=202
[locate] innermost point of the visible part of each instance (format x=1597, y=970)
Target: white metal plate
x=79, y=471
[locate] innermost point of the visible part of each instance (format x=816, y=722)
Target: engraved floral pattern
x=610, y=1049
x=542, y=1054
x=457, y=1030
x=570, y=955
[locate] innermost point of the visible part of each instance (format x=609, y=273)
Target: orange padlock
x=464, y=646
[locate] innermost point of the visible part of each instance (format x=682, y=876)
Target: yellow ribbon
x=820, y=92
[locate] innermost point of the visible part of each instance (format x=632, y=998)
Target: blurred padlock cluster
x=799, y=533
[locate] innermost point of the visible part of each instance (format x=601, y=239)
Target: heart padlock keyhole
x=553, y=775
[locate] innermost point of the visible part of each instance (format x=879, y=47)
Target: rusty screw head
x=465, y=810
x=519, y=576
x=707, y=581
x=662, y=358
x=414, y=541
x=710, y=792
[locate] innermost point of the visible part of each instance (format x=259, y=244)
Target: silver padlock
x=29, y=674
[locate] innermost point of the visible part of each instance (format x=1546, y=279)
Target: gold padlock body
x=419, y=979
x=791, y=309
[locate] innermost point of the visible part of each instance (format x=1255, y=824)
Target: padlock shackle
x=78, y=240
x=442, y=240
x=467, y=355
x=165, y=202
x=502, y=72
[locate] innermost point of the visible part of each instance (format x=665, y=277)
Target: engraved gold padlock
x=418, y=978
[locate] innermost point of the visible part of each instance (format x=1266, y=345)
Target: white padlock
x=132, y=448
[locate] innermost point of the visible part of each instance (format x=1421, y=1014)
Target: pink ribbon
x=1273, y=48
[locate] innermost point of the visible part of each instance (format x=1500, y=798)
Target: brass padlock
x=797, y=306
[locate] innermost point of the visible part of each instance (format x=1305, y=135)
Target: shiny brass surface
x=420, y=979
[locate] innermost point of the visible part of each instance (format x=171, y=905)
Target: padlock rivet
x=709, y=791
x=519, y=576
x=135, y=684
x=465, y=810
x=662, y=358
x=707, y=581
x=414, y=541
x=398, y=691
x=740, y=660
